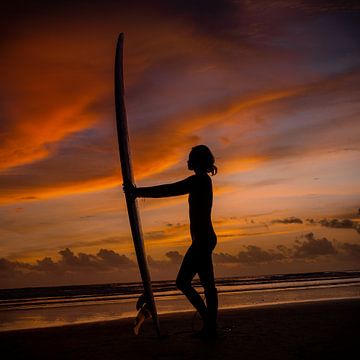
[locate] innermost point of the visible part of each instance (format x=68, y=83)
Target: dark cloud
x=344, y=223
x=174, y=256
x=218, y=17
x=341, y=224
x=225, y=258
x=312, y=247
x=309, y=248
x=112, y=258
x=47, y=264
x=110, y=266
x=70, y=268
x=7, y=266
x=69, y=261
x=288, y=220
x=252, y=254
x=352, y=250
x=255, y=254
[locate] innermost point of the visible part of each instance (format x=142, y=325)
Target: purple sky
x=271, y=87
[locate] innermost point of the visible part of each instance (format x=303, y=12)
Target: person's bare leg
x=212, y=306
x=206, y=274
x=186, y=273
x=196, y=301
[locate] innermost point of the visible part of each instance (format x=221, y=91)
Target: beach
x=302, y=330
x=30, y=308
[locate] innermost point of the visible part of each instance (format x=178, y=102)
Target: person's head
x=202, y=160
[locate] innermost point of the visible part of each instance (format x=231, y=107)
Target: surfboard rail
x=128, y=178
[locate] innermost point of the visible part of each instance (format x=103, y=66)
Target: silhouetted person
x=198, y=258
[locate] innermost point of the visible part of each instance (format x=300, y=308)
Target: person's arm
x=177, y=188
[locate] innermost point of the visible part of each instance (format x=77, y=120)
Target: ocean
x=28, y=308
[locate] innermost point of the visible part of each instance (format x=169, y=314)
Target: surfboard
x=128, y=178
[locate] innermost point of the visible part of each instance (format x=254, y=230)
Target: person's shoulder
x=189, y=180
x=191, y=177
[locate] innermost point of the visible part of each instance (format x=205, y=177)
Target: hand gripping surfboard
x=128, y=178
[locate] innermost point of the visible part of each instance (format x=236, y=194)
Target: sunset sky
x=272, y=87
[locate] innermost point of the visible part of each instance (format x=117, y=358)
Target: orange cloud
x=47, y=95
x=54, y=81
x=174, y=137
x=67, y=74
x=33, y=140
x=164, y=145
x=51, y=191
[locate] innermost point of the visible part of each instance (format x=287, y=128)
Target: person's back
x=200, y=205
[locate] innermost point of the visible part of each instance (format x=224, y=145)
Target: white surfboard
x=128, y=178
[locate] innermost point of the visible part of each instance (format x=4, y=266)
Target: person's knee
x=182, y=284
x=210, y=290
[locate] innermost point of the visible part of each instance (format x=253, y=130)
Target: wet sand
x=316, y=330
